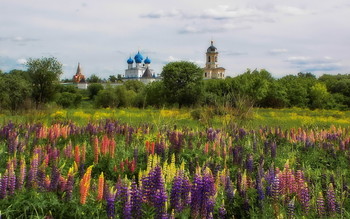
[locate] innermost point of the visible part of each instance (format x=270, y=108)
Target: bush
x=106, y=98
x=93, y=90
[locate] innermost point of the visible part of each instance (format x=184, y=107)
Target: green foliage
x=93, y=90
x=182, y=82
x=14, y=91
x=154, y=94
x=319, y=96
x=106, y=98
x=94, y=79
x=44, y=74
x=67, y=99
x=134, y=85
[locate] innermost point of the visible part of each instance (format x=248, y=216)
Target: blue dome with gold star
x=130, y=61
x=147, y=60
x=138, y=57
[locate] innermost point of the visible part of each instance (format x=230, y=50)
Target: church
x=140, y=71
x=212, y=69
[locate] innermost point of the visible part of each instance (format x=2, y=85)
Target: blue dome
x=130, y=61
x=147, y=60
x=138, y=57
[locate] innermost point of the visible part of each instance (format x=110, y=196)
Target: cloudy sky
x=284, y=37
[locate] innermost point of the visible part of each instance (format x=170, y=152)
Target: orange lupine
x=112, y=147
x=77, y=154
x=96, y=150
x=85, y=185
x=100, y=186
x=83, y=153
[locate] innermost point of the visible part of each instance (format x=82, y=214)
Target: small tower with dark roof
x=212, y=70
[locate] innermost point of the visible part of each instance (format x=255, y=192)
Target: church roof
x=147, y=73
x=212, y=48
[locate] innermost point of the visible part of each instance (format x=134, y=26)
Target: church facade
x=141, y=70
x=212, y=69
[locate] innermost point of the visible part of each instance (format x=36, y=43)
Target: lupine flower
x=222, y=211
x=69, y=185
x=32, y=175
x=22, y=173
x=127, y=206
x=77, y=154
x=96, y=149
x=110, y=208
x=331, y=201
x=179, y=194
x=11, y=180
x=55, y=176
x=85, y=185
x=250, y=163
x=321, y=211
x=3, y=185
x=291, y=208
x=101, y=181
x=305, y=198
x=275, y=188
x=136, y=201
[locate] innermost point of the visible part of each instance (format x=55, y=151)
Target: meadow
x=175, y=163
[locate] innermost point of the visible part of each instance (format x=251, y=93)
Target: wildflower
x=136, y=201
x=331, y=202
x=110, y=208
x=55, y=176
x=179, y=192
x=100, y=187
x=291, y=208
x=320, y=205
x=3, y=185
x=11, y=180
x=85, y=185
x=222, y=211
x=22, y=173
x=69, y=185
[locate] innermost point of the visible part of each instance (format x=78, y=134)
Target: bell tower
x=212, y=70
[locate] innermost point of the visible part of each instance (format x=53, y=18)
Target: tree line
x=182, y=84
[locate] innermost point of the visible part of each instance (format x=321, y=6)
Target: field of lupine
x=111, y=169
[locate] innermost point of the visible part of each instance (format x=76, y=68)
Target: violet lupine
x=159, y=203
x=291, y=208
x=11, y=186
x=151, y=183
x=275, y=188
x=222, y=211
x=55, y=176
x=69, y=185
x=179, y=194
x=22, y=173
x=110, y=208
x=305, y=198
x=32, y=175
x=321, y=210
x=136, y=201
x=3, y=185
x=229, y=193
x=127, y=207
x=331, y=201
x=250, y=163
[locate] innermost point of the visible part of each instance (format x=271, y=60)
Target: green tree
x=182, y=82
x=93, y=90
x=94, y=79
x=154, y=94
x=112, y=78
x=134, y=85
x=106, y=98
x=14, y=91
x=44, y=74
x=67, y=99
x=320, y=97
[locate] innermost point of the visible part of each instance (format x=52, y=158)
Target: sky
x=283, y=37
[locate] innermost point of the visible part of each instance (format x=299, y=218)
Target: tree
x=94, y=79
x=44, y=74
x=106, y=98
x=319, y=96
x=112, y=78
x=14, y=91
x=182, y=82
x=154, y=94
x=93, y=90
x=134, y=85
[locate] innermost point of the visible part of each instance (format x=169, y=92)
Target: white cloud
x=290, y=10
x=278, y=51
x=22, y=61
x=314, y=64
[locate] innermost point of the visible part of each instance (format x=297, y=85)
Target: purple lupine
x=291, y=209
x=250, y=163
x=151, y=183
x=305, y=199
x=69, y=187
x=110, y=208
x=11, y=186
x=136, y=201
x=222, y=211
x=3, y=185
x=22, y=173
x=40, y=178
x=127, y=206
x=176, y=140
x=331, y=201
x=32, y=175
x=179, y=194
x=275, y=188
x=159, y=203
x=229, y=193
x=55, y=176
x=321, y=211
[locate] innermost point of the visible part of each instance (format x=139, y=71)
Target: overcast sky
x=284, y=37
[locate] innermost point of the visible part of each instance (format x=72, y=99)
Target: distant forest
x=182, y=86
